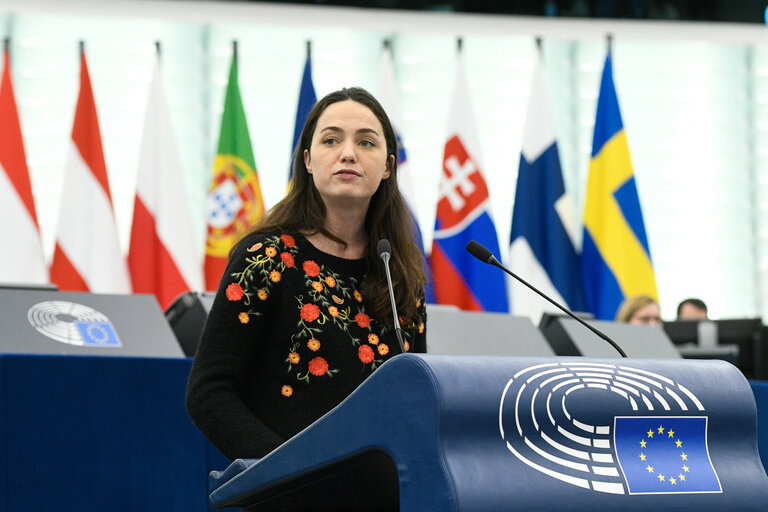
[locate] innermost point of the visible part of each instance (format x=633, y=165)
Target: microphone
x=384, y=250
x=486, y=256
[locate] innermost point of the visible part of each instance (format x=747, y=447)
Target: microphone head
x=383, y=247
x=479, y=252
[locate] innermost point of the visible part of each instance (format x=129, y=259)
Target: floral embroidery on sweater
x=330, y=298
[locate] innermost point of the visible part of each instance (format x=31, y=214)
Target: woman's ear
x=390, y=165
x=306, y=161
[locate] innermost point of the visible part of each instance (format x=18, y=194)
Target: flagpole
x=81, y=45
x=6, y=44
x=309, y=49
x=157, y=50
x=234, y=50
x=609, y=42
x=459, y=44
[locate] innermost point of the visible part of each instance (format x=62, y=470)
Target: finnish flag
x=542, y=242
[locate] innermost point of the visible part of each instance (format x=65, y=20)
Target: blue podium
x=475, y=433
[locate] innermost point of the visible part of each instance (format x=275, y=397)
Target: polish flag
x=163, y=258
x=21, y=253
x=87, y=256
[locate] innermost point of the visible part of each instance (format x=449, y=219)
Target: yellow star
x=685, y=468
x=642, y=444
x=681, y=477
x=650, y=433
x=672, y=481
x=684, y=456
x=642, y=456
x=649, y=468
x=661, y=478
x=660, y=429
x=679, y=443
x=671, y=433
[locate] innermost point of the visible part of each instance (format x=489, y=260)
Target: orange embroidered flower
x=334, y=311
x=365, y=353
x=287, y=391
x=383, y=349
x=421, y=327
x=358, y=296
x=243, y=317
x=318, y=366
x=313, y=345
x=373, y=339
x=287, y=259
x=254, y=247
x=337, y=300
x=309, y=312
x=407, y=346
x=234, y=292
x=262, y=294
x=288, y=240
x=362, y=320
x=275, y=276
x=293, y=358
x=311, y=268
x=317, y=285
x=418, y=303
x=331, y=282
x=270, y=251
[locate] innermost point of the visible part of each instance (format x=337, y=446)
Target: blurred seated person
x=692, y=309
x=639, y=310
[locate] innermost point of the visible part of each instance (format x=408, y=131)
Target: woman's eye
x=329, y=141
x=367, y=143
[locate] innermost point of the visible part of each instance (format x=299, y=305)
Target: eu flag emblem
x=665, y=454
x=98, y=334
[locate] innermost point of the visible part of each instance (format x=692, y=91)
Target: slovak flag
x=21, y=255
x=463, y=215
x=87, y=256
x=543, y=220
x=163, y=258
x=387, y=95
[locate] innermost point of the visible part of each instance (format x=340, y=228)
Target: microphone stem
x=493, y=261
x=398, y=332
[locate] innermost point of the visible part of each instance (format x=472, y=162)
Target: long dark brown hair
x=302, y=211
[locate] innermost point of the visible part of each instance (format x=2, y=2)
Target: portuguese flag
x=234, y=200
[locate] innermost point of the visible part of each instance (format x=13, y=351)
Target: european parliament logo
x=665, y=454
x=660, y=449
x=74, y=324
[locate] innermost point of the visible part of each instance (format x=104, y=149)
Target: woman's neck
x=348, y=227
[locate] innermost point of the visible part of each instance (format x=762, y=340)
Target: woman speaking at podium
x=302, y=315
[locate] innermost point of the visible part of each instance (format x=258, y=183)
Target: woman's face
x=348, y=154
x=647, y=315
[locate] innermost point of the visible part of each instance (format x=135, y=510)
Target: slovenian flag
x=616, y=258
x=463, y=215
x=543, y=221
x=387, y=95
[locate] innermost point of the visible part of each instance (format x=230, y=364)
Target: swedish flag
x=663, y=454
x=616, y=259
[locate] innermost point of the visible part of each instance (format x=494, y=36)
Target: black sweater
x=286, y=340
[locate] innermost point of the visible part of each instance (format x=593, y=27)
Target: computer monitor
x=748, y=334
x=683, y=332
